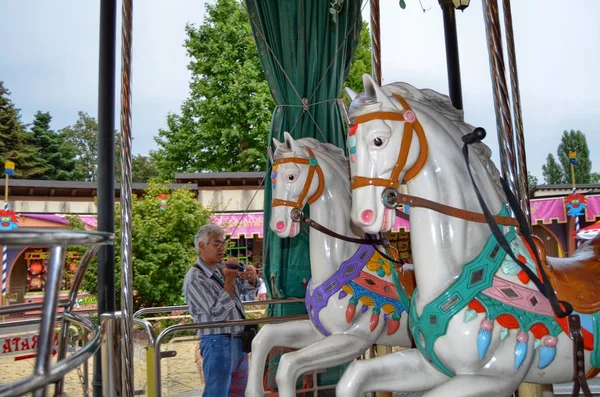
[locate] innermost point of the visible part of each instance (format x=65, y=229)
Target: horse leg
x=295, y=335
x=333, y=350
x=476, y=385
x=403, y=371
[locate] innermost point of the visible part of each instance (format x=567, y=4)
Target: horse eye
x=291, y=177
x=377, y=141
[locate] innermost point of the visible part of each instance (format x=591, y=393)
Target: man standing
x=212, y=289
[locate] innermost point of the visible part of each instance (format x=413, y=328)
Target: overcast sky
x=49, y=62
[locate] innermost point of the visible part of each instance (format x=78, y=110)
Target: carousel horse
x=480, y=325
x=355, y=298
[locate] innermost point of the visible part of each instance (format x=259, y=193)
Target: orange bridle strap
x=411, y=126
x=314, y=167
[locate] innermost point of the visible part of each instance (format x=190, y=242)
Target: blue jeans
x=225, y=366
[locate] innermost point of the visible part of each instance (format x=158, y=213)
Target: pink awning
x=237, y=224
x=553, y=209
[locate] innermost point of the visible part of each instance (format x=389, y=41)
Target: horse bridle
x=391, y=196
x=313, y=168
x=412, y=126
x=297, y=215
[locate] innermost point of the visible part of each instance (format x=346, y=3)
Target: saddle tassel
x=484, y=337
x=393, y=324
x=547, y=351
x=351, y=310
x=521, y=349
x=374, y=319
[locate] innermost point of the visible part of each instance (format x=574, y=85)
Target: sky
x=50, y=63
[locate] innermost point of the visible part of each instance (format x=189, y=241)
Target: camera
x=240, y=266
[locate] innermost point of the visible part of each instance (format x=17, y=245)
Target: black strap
x=543, y=285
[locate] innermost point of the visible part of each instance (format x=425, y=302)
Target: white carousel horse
x=480, y=325
x=354, y=298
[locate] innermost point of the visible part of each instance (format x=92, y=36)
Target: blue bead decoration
x=520, y=353
x=352, y=140
x=274, y=185
x=484, y=338
x=342, y=294
x=273, y=174
x=547, y=355
x=313, y=161
x=352, y=149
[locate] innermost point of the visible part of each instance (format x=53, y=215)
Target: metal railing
x=56, y=241
x=157, y=341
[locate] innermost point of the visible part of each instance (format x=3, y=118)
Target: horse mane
x=442, y=104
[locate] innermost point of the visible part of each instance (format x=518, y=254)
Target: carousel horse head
x=388, y=145
x=297, y=179
x=382, y=152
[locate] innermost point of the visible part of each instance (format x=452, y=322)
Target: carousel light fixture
x=461, y=4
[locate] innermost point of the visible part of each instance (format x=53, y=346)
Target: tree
x=164, y=245
x=56, y=158
x=532, y=180
x=571, y=141
x=595, y=177
x=552, y=171
x=82, y=137
x=14, y=145
x=144, y=168
x=361, y=60
x=224, y=123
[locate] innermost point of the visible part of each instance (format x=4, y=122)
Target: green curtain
x=305, y=53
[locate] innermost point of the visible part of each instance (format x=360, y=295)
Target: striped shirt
x=208, y=301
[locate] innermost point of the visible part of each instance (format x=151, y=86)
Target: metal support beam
x=452, y=58
x=106, y=168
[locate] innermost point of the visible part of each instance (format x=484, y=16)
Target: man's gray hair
x=205, y=232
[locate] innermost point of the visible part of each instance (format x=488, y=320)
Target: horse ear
x=351, y=93
x=276, y=143
x=292, y=143
x=374, y=91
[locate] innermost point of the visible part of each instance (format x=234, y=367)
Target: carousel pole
x=9, y=169
x=126, y=204
x=573, y=161
x=376, y=73
x=506, y=137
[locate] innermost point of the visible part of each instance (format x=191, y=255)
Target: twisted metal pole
x=126, y=217
x=375, y=41
x=500, y=90
x=518, y=117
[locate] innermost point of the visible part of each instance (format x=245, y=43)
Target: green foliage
x=82, y=137
x=595, y=177
x=56, y=158
x=571, y=141
x=143, y=168
x=14, y=145
x=532, y=180
x=575, y=141
x=224, y=123
x=361, y=60
x=164, y=245
x=552, y=171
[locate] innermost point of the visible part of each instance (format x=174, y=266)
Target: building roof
x=213, y=179
x=547, y=191
x=42, y=188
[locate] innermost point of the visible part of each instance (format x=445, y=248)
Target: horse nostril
x=280, y=226
x=367, y=216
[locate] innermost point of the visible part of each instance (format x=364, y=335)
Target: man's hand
x=230, y=275
x=250, y=275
